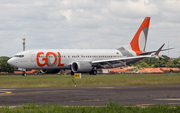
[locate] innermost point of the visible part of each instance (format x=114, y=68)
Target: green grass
x=108, y=108
x=14, y=81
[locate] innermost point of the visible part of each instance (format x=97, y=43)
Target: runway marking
x=92, y=100
x=3, y=93
x=96, y=100
x=30, y=93
x=146, y=105
x=6, y=89
x=106, y=87
x=174, y=103
x=169, y=99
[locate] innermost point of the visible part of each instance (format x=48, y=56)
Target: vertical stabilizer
x=138, y=43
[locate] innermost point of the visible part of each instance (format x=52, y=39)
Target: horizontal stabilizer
x=157, y=52
x=149, y=52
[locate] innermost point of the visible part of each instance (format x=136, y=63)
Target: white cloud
x=133, y=8
x=86, y=23
x=80, y=10
x=67, y=14
x=172, y=5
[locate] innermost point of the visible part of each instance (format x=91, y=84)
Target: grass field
x=108, y=108
x=14, y=81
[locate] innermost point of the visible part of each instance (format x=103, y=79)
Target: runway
x=97, y=96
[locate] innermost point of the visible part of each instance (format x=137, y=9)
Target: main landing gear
x=72, y=73
x=93, y=72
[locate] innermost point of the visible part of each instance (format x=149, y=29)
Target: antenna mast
x=23, y=43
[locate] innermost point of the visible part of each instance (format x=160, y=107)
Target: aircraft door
x=32, y=56
x=78, y=57
x=82, y=57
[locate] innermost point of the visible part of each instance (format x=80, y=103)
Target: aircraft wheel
x=94, y=72
x=24, y=74
x=72, y=73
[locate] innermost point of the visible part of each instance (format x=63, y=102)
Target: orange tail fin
x=138, y=43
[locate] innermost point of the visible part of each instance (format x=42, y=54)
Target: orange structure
x=119, y=70
x=27, y=72
x=144, y=70
x=151, y=70
x=174, y=70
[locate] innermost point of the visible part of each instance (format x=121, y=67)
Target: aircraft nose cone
x=11, y=62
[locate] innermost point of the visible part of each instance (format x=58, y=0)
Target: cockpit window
x=19, y=56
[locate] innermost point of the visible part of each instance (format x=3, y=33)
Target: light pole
x=23, y=43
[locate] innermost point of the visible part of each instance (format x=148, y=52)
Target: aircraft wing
x=111, y=62
x=123, y=60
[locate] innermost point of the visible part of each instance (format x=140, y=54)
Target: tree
x=166, y=58
x=4, y=66
x=175, y=62
x=157, y=64
x=154, y=62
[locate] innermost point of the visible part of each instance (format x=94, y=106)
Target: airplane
x=85, y=60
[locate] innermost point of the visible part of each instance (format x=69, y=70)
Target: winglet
x=157, y=52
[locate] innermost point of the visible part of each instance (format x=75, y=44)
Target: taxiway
x=97, y=96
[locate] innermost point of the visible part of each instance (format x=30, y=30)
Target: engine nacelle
x=50, y=71
x=81, y=67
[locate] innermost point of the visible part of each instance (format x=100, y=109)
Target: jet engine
x=50, y=71
x=81, y=67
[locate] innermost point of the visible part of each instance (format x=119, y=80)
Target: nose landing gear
x=24, y=74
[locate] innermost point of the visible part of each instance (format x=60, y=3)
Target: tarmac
x=95, y=96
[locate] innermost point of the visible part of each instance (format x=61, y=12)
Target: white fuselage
x=61, y=58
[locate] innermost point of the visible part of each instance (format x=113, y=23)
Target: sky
x=87, y=24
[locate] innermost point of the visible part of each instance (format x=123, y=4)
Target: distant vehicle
x=85, y=60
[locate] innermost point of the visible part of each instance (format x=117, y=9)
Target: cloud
x=172, y=5
x=67, y=14
x=85, y=23
x=133, y=8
